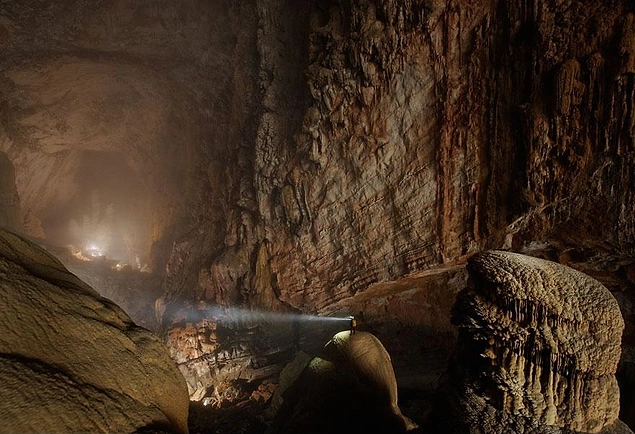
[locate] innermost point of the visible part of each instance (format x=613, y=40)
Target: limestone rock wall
x=410, y=134
x=431, y=130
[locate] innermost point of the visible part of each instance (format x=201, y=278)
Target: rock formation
x=72, y=361
x=363, y=355
x=539, y=344
x=351, y=390
x=396, y=137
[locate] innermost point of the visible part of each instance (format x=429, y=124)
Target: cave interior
x=225, y=170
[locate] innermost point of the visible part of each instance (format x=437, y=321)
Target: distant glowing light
x=94, y=251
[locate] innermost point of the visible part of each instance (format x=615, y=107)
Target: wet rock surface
x=539, y=344
x=72, y=361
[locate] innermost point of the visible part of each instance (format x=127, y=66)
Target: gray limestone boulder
x=72, y=361
x=538, y=348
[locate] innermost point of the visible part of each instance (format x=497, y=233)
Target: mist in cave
x=105, y=215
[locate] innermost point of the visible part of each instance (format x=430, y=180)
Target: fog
x=105, y=215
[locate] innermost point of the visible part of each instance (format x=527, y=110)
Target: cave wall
x=393, y=137
x=345, y=143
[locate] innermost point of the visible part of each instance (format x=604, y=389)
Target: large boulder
x=539, y=344
x=351, y=390
x=72, y=361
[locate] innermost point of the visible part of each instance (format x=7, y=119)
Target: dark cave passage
x=101, y=149
x=99, y=154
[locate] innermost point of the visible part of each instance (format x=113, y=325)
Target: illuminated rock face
x=214, y=348
x=436, y=129
x=71, y=361
x=539, y=343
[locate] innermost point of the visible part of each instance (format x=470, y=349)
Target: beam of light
x=249, y=315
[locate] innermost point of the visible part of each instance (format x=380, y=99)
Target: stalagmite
x=539, y=343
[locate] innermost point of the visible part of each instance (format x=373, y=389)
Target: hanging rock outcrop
x=72, y=361
x=539, y=344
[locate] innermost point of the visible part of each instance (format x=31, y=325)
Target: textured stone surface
x=71, y=361
x=539, y=344
x=215, y=347
x=431, y=130
x=352, y=389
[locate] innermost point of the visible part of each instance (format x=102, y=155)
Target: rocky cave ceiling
x=320, y=156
